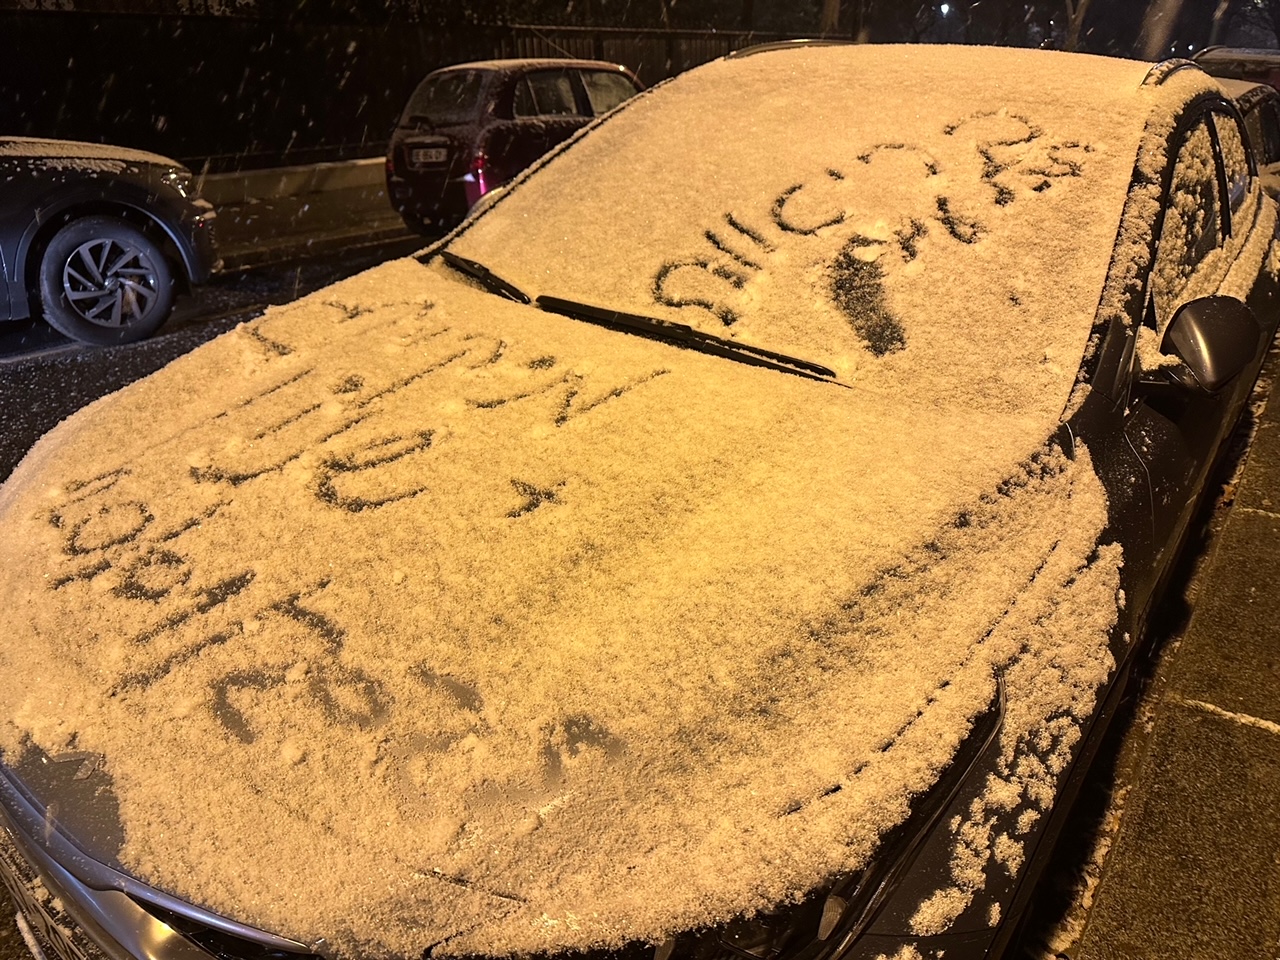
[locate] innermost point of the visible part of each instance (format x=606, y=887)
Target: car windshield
x=931, y=247
x=446, y=98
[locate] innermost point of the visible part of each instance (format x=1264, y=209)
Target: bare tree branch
x=829, y=22
x=1076, y=11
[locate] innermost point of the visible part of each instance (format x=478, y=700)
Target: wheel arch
x=49, y=220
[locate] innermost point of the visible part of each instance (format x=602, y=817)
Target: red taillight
x=475, y=181
x=478, y=171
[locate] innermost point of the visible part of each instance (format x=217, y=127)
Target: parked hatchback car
x=470, y=128
x=742, y=561
x=98, y=239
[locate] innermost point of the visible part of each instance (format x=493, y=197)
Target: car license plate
x=54, y=930
x=421, y=156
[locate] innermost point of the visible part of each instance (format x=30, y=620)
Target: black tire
x=104, y=281
x=416, y=225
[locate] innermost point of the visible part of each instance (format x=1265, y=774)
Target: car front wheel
x=104, y=281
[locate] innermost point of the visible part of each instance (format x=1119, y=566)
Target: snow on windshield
x=409, y=617
x=856, y=206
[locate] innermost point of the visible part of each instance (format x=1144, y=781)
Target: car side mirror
x=486, y=201
x=1216, y=338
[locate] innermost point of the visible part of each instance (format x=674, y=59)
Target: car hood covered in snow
x=407, y=616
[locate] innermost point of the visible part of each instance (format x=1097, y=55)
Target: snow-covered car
x=740, y=560
x=469, y=128
x=98, y=239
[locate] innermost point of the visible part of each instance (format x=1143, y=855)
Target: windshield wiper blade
x=686, y=336
x=487, y=278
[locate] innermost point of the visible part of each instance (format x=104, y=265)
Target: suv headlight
x=181, y=181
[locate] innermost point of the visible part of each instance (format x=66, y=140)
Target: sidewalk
x=1194, y=872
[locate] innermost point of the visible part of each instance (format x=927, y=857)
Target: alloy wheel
x=110, y=283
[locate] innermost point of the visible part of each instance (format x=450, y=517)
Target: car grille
x=54, y=932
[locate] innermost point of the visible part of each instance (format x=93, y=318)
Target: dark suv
x=472, y=127
x=98, y=239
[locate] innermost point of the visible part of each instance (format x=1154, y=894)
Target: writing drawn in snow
x=137, y=554
x=1010, y=155
x=367, y=452
x=363, y=437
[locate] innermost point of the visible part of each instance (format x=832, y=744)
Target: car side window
x=1235, y=160
x=606, y=90
x=1192, y=222
x=545, y=93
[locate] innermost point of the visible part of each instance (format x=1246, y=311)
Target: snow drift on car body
x=407, y=616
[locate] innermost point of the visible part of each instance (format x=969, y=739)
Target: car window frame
x=1264, y=111
x=1187, y=124
x=586, y=92
x=1231, y=207
x=1113, y=369
x=482, y=103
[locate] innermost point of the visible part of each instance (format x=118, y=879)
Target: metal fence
x=652, y=54
x=232, y=93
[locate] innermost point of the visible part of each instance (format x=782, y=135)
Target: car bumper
x=66, y=920
x=74, y=907
x=429, y=201
x=200, y=251
x=50, y=932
